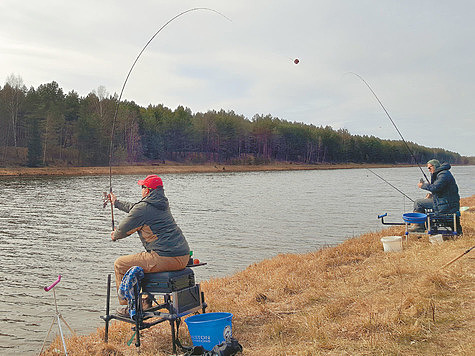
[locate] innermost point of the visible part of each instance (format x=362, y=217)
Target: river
x=57, y=225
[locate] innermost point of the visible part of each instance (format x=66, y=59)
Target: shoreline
x=177, y=168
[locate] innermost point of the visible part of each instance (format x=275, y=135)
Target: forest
x=44, y=126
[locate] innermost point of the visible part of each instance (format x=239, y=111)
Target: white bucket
x=436, y=239
x=392, y=243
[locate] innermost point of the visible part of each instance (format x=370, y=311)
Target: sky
x=418, y=56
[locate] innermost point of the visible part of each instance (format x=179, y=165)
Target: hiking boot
x=123, y=310
x=417, y=228
x=146, y=303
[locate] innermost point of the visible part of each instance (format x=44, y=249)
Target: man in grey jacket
x=165, y=245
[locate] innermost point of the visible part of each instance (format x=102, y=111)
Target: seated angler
x=165, y=245
x=444, y=193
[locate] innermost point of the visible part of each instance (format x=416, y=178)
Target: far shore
x=176, y=168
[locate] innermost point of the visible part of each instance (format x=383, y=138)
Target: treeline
x=45, y=126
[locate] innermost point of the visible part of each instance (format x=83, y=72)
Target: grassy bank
x=352, y=299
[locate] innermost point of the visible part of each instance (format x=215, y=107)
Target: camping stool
x=181, y=296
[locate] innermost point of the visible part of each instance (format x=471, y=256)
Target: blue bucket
x=414, y=218
x=209, y=329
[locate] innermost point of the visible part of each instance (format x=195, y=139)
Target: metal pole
x=138, y=314
x=59, y=323
x=106, y=331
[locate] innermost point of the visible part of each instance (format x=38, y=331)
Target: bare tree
x=101, y=95
x=15, y=93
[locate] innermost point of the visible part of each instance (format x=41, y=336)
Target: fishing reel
x=105, y=199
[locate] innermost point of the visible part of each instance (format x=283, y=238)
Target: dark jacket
x=444, y=190
x=153, y=221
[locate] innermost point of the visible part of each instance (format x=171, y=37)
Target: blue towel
x=129, y=287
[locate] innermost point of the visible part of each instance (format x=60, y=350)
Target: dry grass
x=173, y=167
x=352, y=299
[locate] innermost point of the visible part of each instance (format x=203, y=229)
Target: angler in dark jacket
x=165, y=245
x=444, y=195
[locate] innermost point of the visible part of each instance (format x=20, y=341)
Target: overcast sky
x=418, y=56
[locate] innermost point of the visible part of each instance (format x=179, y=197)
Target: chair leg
x=137, y=336
x=172, y=325
x=138, y=316
x=106, y=331
x=203, y=308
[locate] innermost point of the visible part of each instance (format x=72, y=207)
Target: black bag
x=229, y=347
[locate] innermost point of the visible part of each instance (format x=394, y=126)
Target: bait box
x=167, y=282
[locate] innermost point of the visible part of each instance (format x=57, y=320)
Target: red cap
x=152, y=181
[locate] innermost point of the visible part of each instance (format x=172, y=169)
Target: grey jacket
x=445, y=191
x=153, y=221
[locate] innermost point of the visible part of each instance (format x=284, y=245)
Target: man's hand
x=112, y=235
x=419, y=185
x=112, y=198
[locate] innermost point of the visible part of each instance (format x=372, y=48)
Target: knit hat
x=434, y=162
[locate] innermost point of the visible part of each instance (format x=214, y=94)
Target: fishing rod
x=127, y=78
x=377, y=175
x=456, y=258
x=389, y=116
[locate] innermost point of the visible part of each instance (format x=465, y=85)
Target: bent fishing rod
x=389, y=116
x=377, y=175
x=125, y=82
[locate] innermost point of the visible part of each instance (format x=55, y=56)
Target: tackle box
x=167, y=282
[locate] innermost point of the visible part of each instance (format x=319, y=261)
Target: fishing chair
x=445, y=224
x=178, y=294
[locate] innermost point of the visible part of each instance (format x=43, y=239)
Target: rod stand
x=57, y=318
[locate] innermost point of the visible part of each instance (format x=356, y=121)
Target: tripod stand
x=57, y=318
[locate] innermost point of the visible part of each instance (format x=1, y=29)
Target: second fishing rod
x=384, y=180
x=389, y=116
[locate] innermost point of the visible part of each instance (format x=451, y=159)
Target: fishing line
x=127, y=78
x=377, y=175
x=389, y=116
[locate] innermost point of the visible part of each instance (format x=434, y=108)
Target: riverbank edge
x=174, y=168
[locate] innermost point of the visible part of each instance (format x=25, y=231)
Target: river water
x=56, y=225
